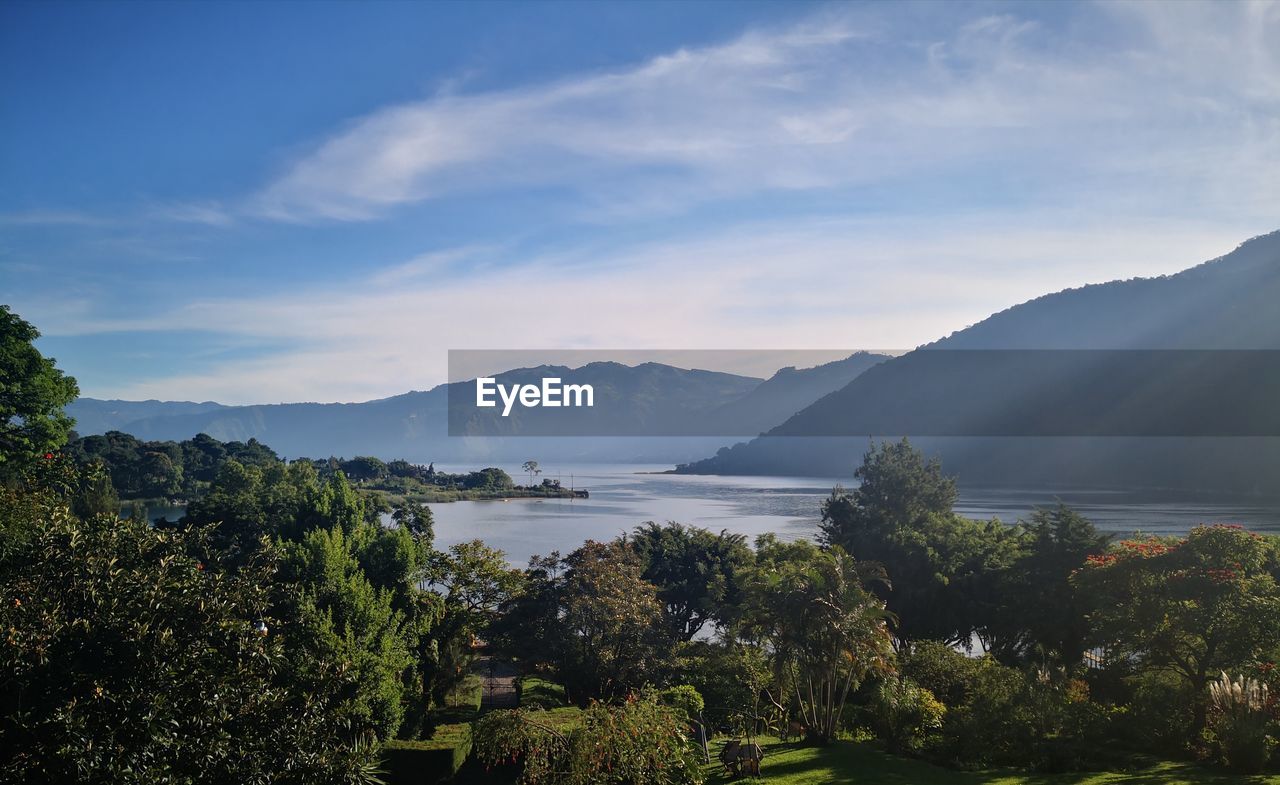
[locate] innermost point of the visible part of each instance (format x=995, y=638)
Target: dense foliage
x=298, y=617
x=132, y=656
x=33, y=393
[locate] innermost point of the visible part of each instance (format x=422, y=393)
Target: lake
x=623, y=497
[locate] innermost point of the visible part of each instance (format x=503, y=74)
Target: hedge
x=429, y=760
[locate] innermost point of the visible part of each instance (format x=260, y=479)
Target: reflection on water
x=623, y=497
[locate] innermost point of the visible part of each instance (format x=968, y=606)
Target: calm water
x=622, y=497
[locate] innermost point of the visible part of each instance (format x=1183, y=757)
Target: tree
x=416, y=518
x=698, y=574
x=531, y=468
x=33, y=394
x=732, y=677
x=898, y=490
x=527, y=625
x=591, y=618
x=826, y=632
x=161, y=479
x=351, y=619
x=475, y=580
x=358, y=580
x=1194, y=606
x=1043, y=612
x=365, y=467
x=943, y=568
x=611, y=621
x=130, y=659
x=246, y=502
x=489, y=479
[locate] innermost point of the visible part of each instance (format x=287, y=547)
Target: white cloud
x=847, y=284
x=845, y=98
x=1140, y=140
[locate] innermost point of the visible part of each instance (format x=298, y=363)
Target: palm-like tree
x=827, y=632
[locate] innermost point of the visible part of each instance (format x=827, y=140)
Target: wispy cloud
x=52, y=218
x=203, y=213
x=845, y=284
x=845, y=98
x=1014, y=157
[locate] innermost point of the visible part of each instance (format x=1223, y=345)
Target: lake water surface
x=622, y=497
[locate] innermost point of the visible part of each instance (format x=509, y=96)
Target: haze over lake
x=624, y=496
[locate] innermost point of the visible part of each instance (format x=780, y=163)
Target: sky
x=262, y=202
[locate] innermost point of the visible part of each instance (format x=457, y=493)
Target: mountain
x=787, y=392
x=97, y=416
x=644, y=413
x=1164, y=382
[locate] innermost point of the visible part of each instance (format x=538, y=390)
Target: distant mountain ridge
x=637, y=400
x=789, y=390
x=1228, y=303
x=95, y=416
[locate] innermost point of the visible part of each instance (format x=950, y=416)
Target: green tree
x=128, y=659
x=898, y=490
x=33, y=394
x=734, y=680
x=416, y=518
x=944, y=569
x=905, y=714
x=1194, y=606
x=612, y=627
x=490, y=479
x=95, y=494
x=1043, y=615
x=474, y=580
x=827, y=633
x=354, y=621
x=161, y=478
x=698, y=574
x=527, y=625
x=531, y=468
x=365, y=467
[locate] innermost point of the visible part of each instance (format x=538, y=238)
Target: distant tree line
x=184, y=470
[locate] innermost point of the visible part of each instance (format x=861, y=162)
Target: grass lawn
x=864, y=764
x=535, y=691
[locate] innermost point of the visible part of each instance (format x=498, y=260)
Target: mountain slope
x=944, y=388
x=787, y=392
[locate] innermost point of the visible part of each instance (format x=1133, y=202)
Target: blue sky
x=254, y=202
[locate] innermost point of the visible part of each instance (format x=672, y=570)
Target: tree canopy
x=33, y=393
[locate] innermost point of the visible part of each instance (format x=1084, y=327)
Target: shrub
x=684, y=699
x=637, y=741
x=1239, y=722
x=1006, y=720
x=949, y=674
x=1161, y=712
x=905, y=714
